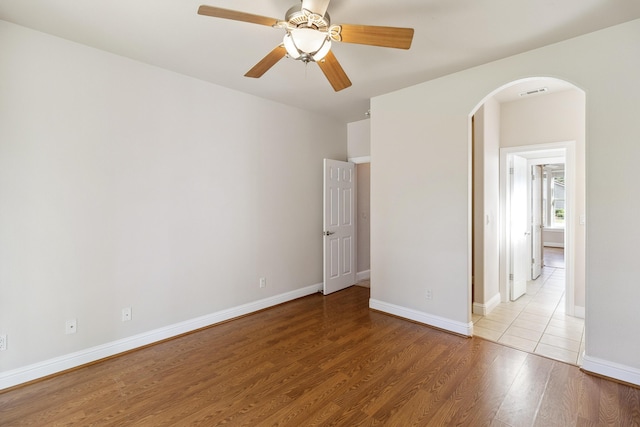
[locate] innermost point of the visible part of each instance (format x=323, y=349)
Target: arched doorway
x=537, y=120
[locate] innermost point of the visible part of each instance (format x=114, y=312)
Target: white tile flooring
x=537, y=322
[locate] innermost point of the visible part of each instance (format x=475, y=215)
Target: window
x=553, y=194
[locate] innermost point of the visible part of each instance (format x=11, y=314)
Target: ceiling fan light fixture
x=309, y=36
x=292, y=51
x=326, y=47
x=307, y=43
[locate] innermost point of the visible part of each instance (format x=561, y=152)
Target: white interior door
x=339, y=225
x=519, y=228
x=536, y=221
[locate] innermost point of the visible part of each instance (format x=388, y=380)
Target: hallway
x=537, y=322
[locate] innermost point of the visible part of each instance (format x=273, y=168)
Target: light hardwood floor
x=323, y=361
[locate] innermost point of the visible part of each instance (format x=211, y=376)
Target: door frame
x=542, y=152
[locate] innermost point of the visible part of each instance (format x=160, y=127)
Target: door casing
x=545, y=153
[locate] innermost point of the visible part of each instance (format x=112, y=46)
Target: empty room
x=278, y=213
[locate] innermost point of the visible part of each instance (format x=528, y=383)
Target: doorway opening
x=518, y=258
x=537, y=207
x=552, y=196
x=363, y=226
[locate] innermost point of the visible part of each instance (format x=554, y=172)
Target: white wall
x=486, y=208
x=546, y=118
x=420, y=216
x=553, y=237
x=359, y=151
x=363, y=254
x=123, y=185
x=359, y=137
x=556, y=117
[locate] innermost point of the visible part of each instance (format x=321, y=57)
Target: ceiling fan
x=308, y=37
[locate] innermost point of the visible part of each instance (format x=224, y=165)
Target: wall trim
x=363, y=275
x=609, y=369
x=422, y=317
x=484, y=309
x=578, y=311
x=92, y=354
x=358, y=160
x=553, y=244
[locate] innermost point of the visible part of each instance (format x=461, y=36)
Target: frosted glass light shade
x=290, y=46
x=326, y=47
x=307, y=41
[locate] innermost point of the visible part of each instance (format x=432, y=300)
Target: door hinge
x=510, y=276
x=533, y=260
x=510, y=171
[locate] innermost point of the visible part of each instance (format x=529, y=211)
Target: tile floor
x=537, y=322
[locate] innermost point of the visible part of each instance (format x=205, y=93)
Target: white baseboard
x=82, y=357
x=612, y=370
x=553, y=245
x=578, y=311
x=421, y=317
x=363, y=275
x=484, y=309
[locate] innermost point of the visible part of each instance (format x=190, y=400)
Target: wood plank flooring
x=323, y=361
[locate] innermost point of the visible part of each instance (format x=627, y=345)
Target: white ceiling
x=450, y=35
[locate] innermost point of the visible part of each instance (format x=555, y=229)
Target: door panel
x=339, y=225
x=334, y=253
x=519, y=228
x=536, y=222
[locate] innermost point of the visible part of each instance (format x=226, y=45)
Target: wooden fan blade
x=316, y=6
x=399, y=38
x=267, y=62
x=334, y=72
x=218, y=12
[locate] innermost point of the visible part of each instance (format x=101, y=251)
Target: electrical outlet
x=126, y=314
x=263, y=282
x=429, y=294
x=3, y=342
x=70, y=326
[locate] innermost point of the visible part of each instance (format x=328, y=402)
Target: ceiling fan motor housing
x=298, y=17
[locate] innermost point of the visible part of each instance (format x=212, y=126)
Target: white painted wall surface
x=487, y=204
x=492, y=199
x=363, y=253
x=553, y=237
x=359, y=139
x=122, y=184
x=359, y=150
x=420, y=234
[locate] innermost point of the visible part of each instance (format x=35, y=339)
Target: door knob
x=328, y=233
